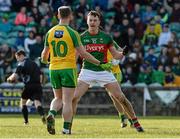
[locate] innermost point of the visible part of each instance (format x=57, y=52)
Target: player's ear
x=71, y=17
x=58, y=15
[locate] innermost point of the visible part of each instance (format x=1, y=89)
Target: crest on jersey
x=94, y=40
x=58, y=33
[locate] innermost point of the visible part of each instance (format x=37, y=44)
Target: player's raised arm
x=115, y=53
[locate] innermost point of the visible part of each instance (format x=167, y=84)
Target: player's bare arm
x=81, y=50
x=45, y=55
x=12, y=78
x=115, y=53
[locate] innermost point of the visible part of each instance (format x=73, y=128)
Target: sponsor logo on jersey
x=95, y=47
x=58, y=33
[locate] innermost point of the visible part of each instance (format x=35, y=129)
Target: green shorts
x=118, y=77
x=63, y=78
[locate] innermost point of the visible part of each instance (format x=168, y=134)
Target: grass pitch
x=11, y=126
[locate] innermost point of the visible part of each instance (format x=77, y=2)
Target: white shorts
x=96, y=77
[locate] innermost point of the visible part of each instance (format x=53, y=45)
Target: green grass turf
x=11, y=126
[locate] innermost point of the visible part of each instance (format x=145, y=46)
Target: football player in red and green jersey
x=97, y=43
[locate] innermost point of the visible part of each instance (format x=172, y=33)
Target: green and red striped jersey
x=97, y=45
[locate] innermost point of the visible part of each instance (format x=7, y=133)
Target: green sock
x=67, y=125
x=130, y=121
x=52, y=112
x=122, y=116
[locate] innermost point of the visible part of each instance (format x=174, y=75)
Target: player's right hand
x=43, y=61
x=106, y=66
x=10, y=80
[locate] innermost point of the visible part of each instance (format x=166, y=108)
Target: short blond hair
x=64, y=11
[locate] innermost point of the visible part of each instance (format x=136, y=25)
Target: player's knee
x=76, y=99
x=119, y=97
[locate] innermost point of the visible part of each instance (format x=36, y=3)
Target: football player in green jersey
x=98, y=43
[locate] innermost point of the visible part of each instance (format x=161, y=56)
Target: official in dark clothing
x=29, y=72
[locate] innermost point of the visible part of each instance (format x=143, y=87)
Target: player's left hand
x=106, y=66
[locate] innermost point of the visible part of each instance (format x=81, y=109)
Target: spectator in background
x=163, y=57
x=133, y=62
x=22, y=17
x=136, y=12
x=81, y=9
x=162, y=12
x=151, y=58
x=129, y=76
x=158, y=75
x=119, y=10
x=49, y=16
x=5, y=25
x=56, y=4
x=156, y=5
x=138, y=27
x=165, y=36
x=156, y=25
x=43, y=8
x=101, y=3
x=169, y=77
x=145, y=74
x=175, y=17
x=124, y=32
x=176, y=65
x=171, y=52
x=42, y=28
x=131, y=38
x=150, y=38
x=36, y=14
x=6, y=58
x=173, y=11
x=138, y=49
x=19, y=44
x=30, y=40
x=5, y=5
x=148, y=14
x=117, y=35
x=36, y=49
x=174, y=41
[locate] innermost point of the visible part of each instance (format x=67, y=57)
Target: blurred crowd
x=150, y=29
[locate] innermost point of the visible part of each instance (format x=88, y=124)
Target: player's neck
x=93, y=32
x=64, y=22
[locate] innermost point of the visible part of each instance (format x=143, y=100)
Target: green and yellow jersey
x=97, y=45
x=62, y=40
